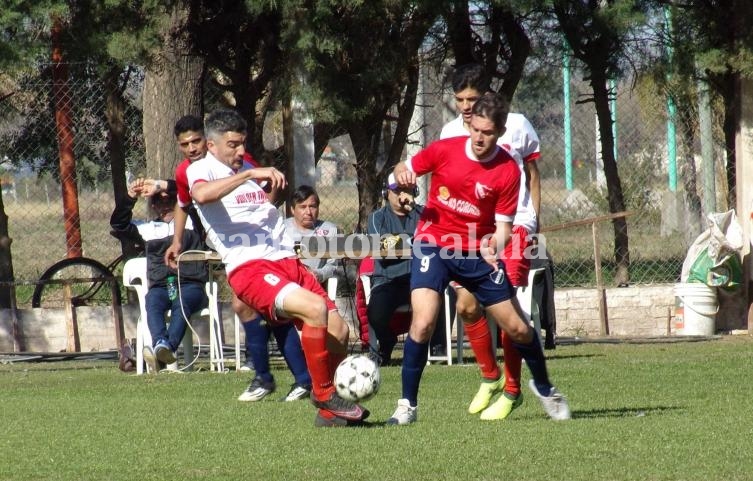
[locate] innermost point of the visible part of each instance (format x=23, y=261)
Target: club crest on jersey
x=482, y=191
x=271, y=279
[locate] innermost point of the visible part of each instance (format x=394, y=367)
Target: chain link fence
x=659, y=229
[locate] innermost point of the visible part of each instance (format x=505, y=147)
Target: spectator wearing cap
x=182, y=293
x=390, y=283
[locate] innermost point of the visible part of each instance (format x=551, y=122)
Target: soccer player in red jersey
x=465, y=225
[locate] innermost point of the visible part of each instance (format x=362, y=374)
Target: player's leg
x=245, y=315
x=429, y=278
x=257, y=351
x=516, y=268
x=277, y=288
x=506, y=315
x=480, y=339
x=290, y=345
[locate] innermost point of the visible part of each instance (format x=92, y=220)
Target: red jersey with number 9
x=467, y=195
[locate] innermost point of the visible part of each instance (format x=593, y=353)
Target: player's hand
x=489, y=251
x=404, y=177
x=171, y=255
x=275, y=178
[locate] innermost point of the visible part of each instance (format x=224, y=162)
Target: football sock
x=481, y=343
x=414, y=361
x=511, y=365
x=257, y=337
x=536, y=363
x=314, y=342
x=290, y=345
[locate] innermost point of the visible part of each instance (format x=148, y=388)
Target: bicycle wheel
x=90, y=284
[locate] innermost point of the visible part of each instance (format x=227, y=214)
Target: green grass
x=664, y=411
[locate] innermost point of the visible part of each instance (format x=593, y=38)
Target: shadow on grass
x=556, y=357
x=623, y=412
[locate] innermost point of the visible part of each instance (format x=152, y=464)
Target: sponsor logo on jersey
x=482, y=190
x=459, y=205
x=255, y=197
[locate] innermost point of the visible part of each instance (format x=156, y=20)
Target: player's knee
x=338, y=328
x=519, y=331
x=421, y=331
x=243, y=310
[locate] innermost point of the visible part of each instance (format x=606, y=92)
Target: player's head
x=468, y=84
x=189, y=134
x=304, y=202
x=487, y=123
x=226, y=133
x=402, y=200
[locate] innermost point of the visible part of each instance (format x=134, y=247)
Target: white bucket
x=695, y=309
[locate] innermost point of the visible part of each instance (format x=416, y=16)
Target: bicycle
x=90, y=282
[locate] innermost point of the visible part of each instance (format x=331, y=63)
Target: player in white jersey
x=263, y=269
x=519, y=138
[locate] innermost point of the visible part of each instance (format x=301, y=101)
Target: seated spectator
x=390, y=283
x=304, y=202
x=180, y=295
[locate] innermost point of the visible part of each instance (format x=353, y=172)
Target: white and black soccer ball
x=357, y=378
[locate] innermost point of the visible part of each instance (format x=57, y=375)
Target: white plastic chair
x=447, y=357
x=135, y=277
x=524, y=295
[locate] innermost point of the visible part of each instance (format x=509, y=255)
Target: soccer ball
x=357, y=378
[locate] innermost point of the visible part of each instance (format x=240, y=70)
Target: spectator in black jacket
x=182, y=294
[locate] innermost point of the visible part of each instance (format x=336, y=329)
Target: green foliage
x=86, y=420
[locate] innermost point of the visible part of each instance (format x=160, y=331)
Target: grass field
x=652, y=411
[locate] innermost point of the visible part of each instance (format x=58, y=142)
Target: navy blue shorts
x=434, y=267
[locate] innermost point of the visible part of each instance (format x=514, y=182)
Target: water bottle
x=172, y=287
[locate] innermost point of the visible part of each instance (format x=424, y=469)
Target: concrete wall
x=638, y=311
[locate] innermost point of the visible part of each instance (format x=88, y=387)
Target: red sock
x=481, y=343
x=512, y=363
x=314, y=342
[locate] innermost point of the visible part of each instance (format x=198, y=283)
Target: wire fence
x=660, y=228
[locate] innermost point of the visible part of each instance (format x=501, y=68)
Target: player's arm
x=180, y=215
x=533, y=177
x=492, y=246
x=404, y=175
x=214, y=190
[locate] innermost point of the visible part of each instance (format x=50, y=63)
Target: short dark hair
x=188, y=123
x=224, y=120
x=493, y=107
x=302, y=193
x=470, y=75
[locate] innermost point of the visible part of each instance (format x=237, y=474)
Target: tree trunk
x=6, y=260
x=65, y=136
x=730, y=90
x=364, y=145
x=614, y=185
x=689, y=173
x=172, y=89
x=114, y=112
